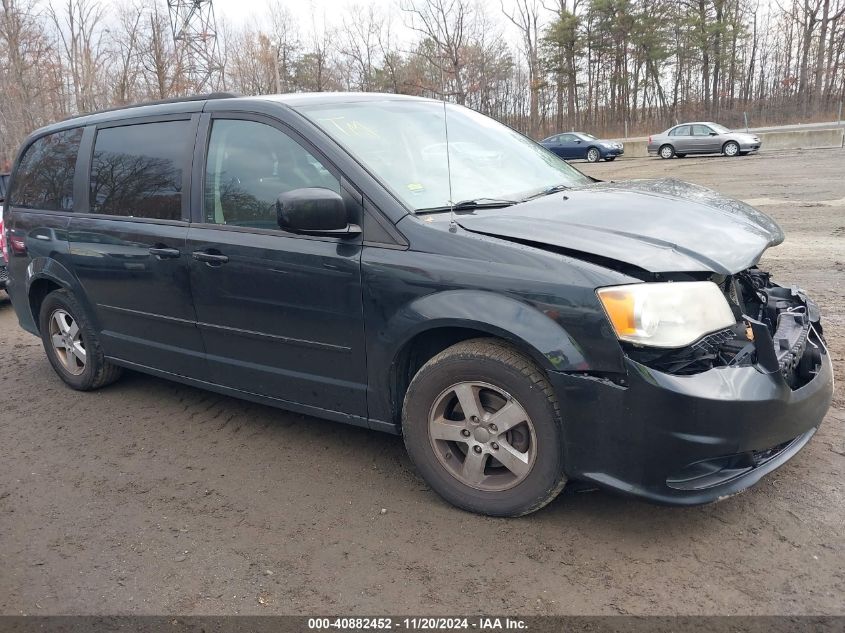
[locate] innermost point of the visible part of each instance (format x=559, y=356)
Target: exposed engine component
x=777, y=330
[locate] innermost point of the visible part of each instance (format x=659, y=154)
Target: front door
x=280, y=314
x=704, y=139
x=128, y=251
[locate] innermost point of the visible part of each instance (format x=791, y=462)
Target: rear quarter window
x=44, y=178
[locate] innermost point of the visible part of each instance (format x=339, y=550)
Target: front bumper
x=750, y=147
x=686, y=440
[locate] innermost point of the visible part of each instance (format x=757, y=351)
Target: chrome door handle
x=212, y=259
x=165, y=253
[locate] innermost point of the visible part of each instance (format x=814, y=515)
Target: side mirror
x=714, y=134
x=315, y=211
x=578, y=141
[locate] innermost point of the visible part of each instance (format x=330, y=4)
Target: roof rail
x=203, y=97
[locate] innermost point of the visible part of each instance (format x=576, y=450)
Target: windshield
x=721, y=129
x=586, y=137
x=403, y=143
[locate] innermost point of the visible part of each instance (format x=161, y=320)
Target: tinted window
x=249, y=165
x=137, y=170
x=681, y=130
x=44, y=179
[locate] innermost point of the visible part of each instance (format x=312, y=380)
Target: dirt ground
x=151, y=497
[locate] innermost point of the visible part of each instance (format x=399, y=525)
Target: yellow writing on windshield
x=349, y=127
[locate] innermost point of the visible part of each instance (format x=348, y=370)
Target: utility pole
x=195, y=35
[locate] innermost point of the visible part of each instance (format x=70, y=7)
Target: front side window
x=701, y=130
x=249, y=164
x=404, y=144
x=137, y=170
x=44, y=179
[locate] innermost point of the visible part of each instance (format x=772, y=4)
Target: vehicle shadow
x=375, y=460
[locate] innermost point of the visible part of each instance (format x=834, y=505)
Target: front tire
x=666, y=152
x=730, y=149
x=482, y=426
x=71, y=344
x=593, y=155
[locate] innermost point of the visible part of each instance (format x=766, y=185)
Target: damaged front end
x=777, y=330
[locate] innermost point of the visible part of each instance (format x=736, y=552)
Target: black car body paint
x=331, y=326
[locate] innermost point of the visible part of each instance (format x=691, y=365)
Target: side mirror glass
x=313, y=210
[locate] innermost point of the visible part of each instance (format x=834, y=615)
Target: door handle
x=165, y=253
x=212, y=259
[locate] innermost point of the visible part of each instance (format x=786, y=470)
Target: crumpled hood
x=658, y=225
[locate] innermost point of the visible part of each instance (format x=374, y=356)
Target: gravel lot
x=151, y=497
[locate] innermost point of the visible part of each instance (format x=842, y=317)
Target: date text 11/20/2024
x=417, y=624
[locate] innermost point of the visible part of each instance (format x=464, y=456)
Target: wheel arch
x=46, y=275
x=440, y=320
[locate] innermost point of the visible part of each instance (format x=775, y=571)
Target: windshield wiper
x=547, y=192
x=466, y=205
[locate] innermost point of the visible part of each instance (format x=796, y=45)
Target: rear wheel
x=667, y=151
x=71, y=344
x=593, y=155
x=731, y=148
x=482, y=426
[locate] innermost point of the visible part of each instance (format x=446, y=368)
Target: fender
x=548, y=344
x=52, y=270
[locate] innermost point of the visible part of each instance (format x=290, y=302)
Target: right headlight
x=666, y=314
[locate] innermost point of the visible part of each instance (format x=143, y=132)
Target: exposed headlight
x=669, y=314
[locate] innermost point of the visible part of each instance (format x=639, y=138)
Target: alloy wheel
x=593, y=156
x=482, y=436
x=731, y=149
x=67, y=342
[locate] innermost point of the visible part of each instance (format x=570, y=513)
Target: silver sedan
x=702, y=138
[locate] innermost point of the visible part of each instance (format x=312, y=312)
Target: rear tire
x=71, y=344
x=666, y=151
x=475, y=403
x=593, y=155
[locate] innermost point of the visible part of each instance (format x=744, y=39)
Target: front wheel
x=667, y=151
x=71, y=344
x=593, y=155
x=731, y=148
x=482, y=426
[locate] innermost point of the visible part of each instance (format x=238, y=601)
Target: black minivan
x=415, y=267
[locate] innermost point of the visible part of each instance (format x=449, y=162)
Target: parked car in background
x=702, y=138
x=4, y=256
x=517, y=322
x=583, y=145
